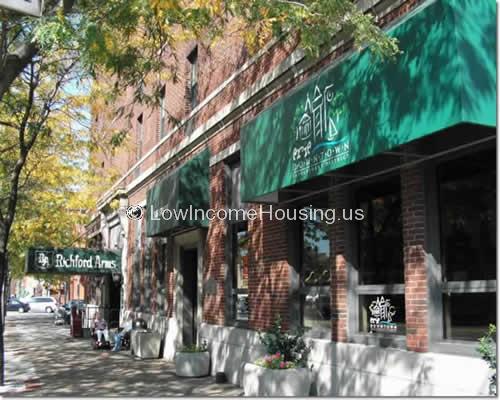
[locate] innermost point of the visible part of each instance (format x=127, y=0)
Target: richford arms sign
x=72, y=261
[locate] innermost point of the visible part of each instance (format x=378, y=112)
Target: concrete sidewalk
x=43, y=360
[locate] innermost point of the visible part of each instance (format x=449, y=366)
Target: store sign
x=72, y=261
x=381, y=315
x=360, y=107
x=29, y=7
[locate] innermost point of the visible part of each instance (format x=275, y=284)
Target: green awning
x=361, y=106
x=183, y=191
x=50, y=260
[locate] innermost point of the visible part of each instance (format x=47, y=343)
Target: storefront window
x=467, y=196
x=381, y=299
x=240, y=269
x=238, y=235
x=315, y=276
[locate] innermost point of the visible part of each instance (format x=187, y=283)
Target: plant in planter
x=193, y=361
x=488, y=350
x=283, y=371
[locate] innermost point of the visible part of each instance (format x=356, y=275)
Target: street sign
x=73, y=261
x=29, y=7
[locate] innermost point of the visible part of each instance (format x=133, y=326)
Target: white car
x=43, y=304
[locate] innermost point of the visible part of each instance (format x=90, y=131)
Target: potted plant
x=283, y=370
x=193, y=361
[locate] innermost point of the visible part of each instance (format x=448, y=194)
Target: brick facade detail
x=338, y=272
x=415, y=267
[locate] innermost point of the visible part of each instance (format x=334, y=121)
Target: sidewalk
x=43, y=360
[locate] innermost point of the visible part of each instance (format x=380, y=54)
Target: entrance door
x=189, y=268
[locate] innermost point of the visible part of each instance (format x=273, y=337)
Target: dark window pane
x=468, y=218
x=467, y=315
x=382, y=313
x=380, y=236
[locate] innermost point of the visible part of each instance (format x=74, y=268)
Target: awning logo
x=43, y=260
x=318, y=139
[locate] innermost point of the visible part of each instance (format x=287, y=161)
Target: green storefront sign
x=72, y=261
x=184, y=190
x=361, y=106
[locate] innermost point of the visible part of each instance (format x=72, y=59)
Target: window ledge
x=380, y=340
x=455, y=347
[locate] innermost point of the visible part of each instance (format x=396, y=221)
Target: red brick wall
x=269, y=277
x=214, y=255
x=416, y=292
x=338, y=272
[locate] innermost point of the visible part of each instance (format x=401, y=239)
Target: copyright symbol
x=135, y=212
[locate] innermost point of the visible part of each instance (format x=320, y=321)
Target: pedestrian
x=120, y=335
x=101, y=328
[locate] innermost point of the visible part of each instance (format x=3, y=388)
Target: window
x=240, y=270
x=467, y=208
x=238, y=251
x=163, y=113
x=193, y=77
x=315, y=276
x=381, y=300
x=140, y=136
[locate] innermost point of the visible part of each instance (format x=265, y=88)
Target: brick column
x=416, y=290
x=338, y=272
x=268, y=274
x=214, y=257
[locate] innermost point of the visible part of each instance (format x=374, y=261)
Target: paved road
x=54, y=364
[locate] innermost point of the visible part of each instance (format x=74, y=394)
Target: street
x=43, y=360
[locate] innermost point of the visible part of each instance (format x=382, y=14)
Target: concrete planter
x=192, y=364
x=259, y=381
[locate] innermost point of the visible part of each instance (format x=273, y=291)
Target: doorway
x=189, y=267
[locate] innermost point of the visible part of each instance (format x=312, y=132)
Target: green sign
x=362, y=106
x=184, y=190
x=72, y=261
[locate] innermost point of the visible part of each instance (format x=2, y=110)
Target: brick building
x=393, y=302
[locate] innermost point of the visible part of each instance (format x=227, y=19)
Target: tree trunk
x=3, y=274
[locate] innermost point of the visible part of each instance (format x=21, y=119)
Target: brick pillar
x=214, y=257
x=416, y=290
x=268, y=275
x=338, y=259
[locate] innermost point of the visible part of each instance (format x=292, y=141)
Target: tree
x=130, y=39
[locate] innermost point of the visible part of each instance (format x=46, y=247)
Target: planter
x=259, y=381
x=192, y=364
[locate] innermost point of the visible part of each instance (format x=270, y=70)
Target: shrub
x=286, y=347
x=275, y=361
x=488, y=350
x=193, y=348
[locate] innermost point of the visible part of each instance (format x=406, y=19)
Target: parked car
x=16, y=305
x=79, y=303
x=43, y=304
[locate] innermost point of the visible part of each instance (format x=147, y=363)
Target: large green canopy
x=361, y=106
x=184, y=189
